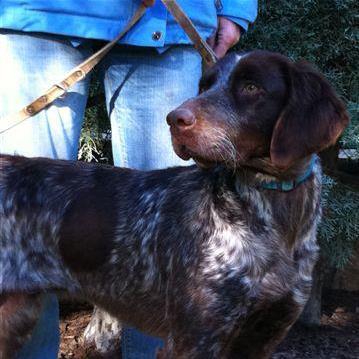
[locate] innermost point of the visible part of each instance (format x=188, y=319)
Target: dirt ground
x=336, y=338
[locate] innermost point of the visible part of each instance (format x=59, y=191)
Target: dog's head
x=258, y=105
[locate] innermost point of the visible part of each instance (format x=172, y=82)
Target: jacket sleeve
x=242, y=12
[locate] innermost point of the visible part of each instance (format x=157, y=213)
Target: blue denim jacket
x=103, y=19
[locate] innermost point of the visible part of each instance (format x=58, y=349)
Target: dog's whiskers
x=223, y=146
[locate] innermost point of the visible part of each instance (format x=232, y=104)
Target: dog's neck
x=302, y=174
x=261, y=173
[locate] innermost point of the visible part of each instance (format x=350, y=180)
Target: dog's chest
x=236, y=246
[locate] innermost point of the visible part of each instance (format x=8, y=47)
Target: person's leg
x=29, y=65
x=141, y=87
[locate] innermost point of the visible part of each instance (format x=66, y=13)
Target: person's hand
x=148, y=3
x=227, y=35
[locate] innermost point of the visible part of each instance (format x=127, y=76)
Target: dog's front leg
x=19, y=313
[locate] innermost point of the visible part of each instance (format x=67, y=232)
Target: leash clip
x=64, y=86
x=79, y=74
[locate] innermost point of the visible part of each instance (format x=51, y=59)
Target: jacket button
x=156, y=35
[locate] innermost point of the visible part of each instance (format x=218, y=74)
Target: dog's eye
x=250, y=88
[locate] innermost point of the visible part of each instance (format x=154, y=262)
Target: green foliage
x=339, y=229
x=96, y=133
x=351, y=135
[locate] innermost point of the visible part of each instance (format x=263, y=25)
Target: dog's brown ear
x=313, y=118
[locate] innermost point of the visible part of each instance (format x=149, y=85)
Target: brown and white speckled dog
x=215, y=258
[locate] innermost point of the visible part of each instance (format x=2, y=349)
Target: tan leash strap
x=202, y=47
x=74, y=76
x=79, y=72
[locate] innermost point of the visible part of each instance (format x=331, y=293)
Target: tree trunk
x=104, y=332
x=312, y=311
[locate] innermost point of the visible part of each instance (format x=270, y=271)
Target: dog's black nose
x=182, y=118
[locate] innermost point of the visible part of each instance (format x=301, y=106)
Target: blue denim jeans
x=141, y=87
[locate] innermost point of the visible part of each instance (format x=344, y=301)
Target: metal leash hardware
x=74, y=76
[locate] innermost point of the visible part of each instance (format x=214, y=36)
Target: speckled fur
x=205, y=258
x=213, y=257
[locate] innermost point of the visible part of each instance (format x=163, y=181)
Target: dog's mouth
x=186, y=153
x=204, y=163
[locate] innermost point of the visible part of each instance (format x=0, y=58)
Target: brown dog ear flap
x=313, y=119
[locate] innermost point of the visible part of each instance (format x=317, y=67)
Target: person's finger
x=228, y=35
x=148, y=3
x=223, y=44
x=211, y=41
x=221, y=48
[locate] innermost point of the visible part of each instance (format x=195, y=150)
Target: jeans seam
x=121, y=135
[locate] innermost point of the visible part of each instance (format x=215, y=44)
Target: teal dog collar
x=286, y=186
